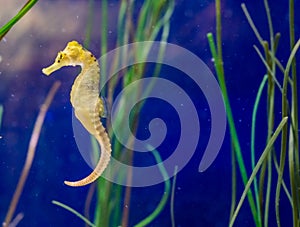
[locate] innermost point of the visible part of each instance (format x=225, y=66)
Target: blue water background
x=201, y=199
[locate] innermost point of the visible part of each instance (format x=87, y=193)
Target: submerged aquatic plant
x=288, y=127
x=30, y=153
x=5, y=28
x=153, y=19
x=113, y=201
x=9, y=221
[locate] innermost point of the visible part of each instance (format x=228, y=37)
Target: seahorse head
x=72, y=55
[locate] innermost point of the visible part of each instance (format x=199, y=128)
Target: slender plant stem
x=127, y=196
x=283, y=183
x=74, y=212
x=232, y=129
x=257, y=167
x=30, y=153
x=270, y=114
x=284, y=137
x=294, y=136
x=268, y=190
x=89, y=26
x=233, y=182
x=3, y=30
x=104, y=30
x=270, y=72
x=219, y=33
x=283, y=150
x=172, y=198
x=270, y=24
x=254, y=114
x=88, y=201
x=250, y=21
x=164, y=199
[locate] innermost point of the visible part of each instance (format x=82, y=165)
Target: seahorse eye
x=59, y=57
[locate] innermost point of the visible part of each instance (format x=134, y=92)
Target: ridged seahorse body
x=85, y=100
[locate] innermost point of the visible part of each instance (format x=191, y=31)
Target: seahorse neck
x=85, y=89
x=90, y=68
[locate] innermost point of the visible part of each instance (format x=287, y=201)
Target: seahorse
x=87, y=104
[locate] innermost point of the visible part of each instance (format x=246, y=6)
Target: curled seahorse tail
x=102, y=164
x=104, y=142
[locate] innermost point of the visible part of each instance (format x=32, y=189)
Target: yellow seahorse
x=85, y=100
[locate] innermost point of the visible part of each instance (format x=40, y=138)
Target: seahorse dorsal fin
x=103, y=113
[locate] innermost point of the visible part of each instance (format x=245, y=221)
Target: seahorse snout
x=50, y=69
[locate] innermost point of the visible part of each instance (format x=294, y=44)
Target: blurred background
x=201, y=199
